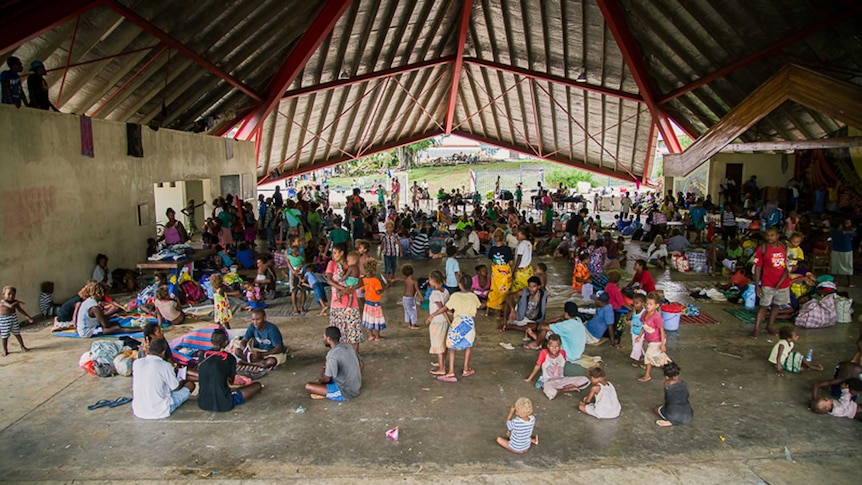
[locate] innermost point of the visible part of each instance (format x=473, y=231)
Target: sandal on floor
x=100, y=404
x=120, y=401
x=447, y=378
x=468, y=373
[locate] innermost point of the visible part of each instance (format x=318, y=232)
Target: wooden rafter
x=837, y=99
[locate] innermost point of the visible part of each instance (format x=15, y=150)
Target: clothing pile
x=712, y=293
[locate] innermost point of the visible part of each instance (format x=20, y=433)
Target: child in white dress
x=602, y=401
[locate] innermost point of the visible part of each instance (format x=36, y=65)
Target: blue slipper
x=119, y=402
x=100, y=404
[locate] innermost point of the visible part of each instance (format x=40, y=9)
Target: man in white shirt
x=473, y=246
x=156, y=391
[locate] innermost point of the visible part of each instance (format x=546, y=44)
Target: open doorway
x=177, y=196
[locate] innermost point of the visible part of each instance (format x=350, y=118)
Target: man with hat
x=37, y=86
x=602, y=323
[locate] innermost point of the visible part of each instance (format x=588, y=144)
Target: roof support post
x=317, y=32
x=466, y=10
x=40, y=17
x=649, y=153
x=625, y=40
x=178, y=46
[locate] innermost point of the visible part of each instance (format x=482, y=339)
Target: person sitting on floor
x=92, y=320
x=167, y=308
x=341, y=378
x=602, y=323
x=530, y=309
x=156, y=391
x=570, y=328
x=216, y=373
x=262, y=345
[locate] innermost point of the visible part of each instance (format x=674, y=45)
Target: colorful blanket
x=188, y=348
x=126, y=320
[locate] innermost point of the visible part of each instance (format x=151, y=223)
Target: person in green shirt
x=337, y=235
x=549, y=218
x=314, y=220
x=381, y=196
x=519, y=196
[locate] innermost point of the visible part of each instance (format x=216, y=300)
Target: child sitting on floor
x=676, y=410
x=520, y=424
x=253, y=297
x=784, y=358
x=552, y=362
x=167, y=308
x=602, y=401
x=46, y=300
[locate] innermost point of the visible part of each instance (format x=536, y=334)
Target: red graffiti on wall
x=25, y=210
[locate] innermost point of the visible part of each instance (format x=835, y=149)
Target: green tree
x=570, y=177
x=407, y=154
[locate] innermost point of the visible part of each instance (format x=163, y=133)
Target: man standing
x=771, y=279
x=341, y=378
x=575, y=224
x=38, y=87
x=262, y=345
x=625, y=206
x=354, y=209
x=12, y=91
x=277, y=198
x=156, y=391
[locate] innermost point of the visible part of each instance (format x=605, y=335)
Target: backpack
x=193, y=292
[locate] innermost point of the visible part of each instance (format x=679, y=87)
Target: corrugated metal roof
x=547, y=78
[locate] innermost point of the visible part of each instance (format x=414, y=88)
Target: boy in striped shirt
x=520, y=423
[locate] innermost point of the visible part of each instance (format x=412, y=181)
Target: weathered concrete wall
x=58, y=209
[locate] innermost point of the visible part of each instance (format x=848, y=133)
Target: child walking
x=653, y=329
x=552, y=362
x=9, y=308
x=221, y=312
x=438, y=321
x=676, y=410
x=412, y=296
x=636, y=322
x=602, y=401
x=372, y=314
x=462, y=331
x=520, y=424
x=784, y=358
x=390, y=244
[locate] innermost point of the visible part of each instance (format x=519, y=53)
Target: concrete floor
x=744, y=415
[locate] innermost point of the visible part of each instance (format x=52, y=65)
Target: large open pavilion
x=169, y=100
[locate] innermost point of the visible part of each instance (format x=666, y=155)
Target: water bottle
x=810, y=355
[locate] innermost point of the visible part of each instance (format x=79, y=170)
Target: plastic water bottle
x=809, y=355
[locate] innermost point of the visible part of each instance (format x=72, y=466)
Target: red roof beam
x=93, y=61
x=541, y=76
x=317, y=32
x=178, y=46
x=466, y=10
x=38, y=18
x=385, y=147
x=634, y=60
x=756, y=56
x=129, y=81
x=371, y=76
x=565, y=161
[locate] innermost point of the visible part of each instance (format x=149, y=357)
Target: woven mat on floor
x=749, y=316
x=702, y=318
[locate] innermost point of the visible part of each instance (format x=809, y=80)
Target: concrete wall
x=766, y=166
x=58, y=209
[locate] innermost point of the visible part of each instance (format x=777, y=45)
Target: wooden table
x=175, y=265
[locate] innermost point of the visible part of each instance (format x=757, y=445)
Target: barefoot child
x=167, y=308
x=9, y=308
x=676, y=410
x=784, y=358
x=636, y=323
x=520, y=423
x=372, y=314
x=581, y=273
x=221, y=312
x=390, y=245
x=438, y=322
x=351, y=277
x=47, y=307
x=362, y=248
x=254, y=298
x=296, y=267
x=462, y=330
x=542, y=274
x=653, y=329
x=602, y=401
x=411, y=295
x=482, y=286
x=844, y=407
x=552, y=362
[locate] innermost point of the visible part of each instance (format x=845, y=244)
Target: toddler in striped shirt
x=520, y=423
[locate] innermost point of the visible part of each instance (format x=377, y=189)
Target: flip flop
x=100, y=404
x=527, y=347
x=468, y=373
x=447, y=378
x=119, y=402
